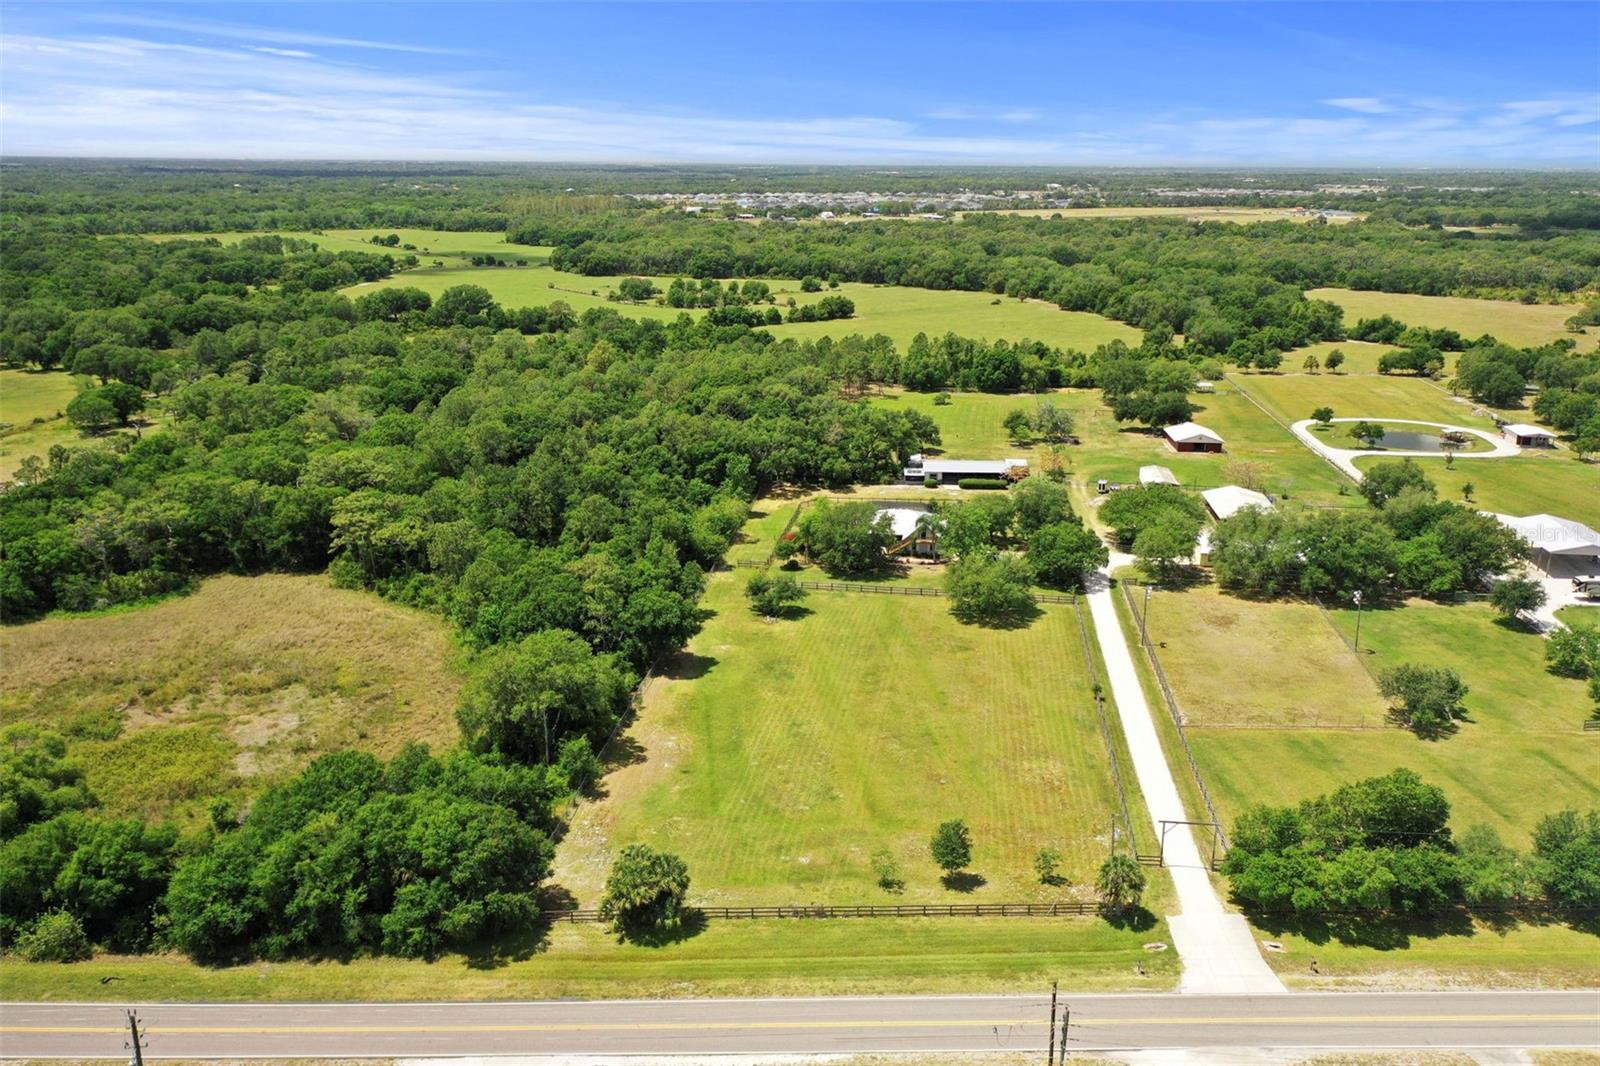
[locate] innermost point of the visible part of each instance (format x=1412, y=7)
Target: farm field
x=1241, y=662
x=1524, y=724
x=1292, y=397
x=1521, y=324
x=226, y=690
x=1535, y=482
x=449, y=245
x=778, y=757
x=900, y=313
x=1360, y=357
x=733, y=958
x=971, y=427
x=26, y=395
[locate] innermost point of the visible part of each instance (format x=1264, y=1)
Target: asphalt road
x=770, y=1026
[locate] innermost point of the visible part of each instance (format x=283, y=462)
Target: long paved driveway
x=806, y=1026
x=1218, y=951
x=1344, y=458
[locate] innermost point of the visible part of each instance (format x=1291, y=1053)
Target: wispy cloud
x=970, y=114
x=246, y=96
x=1367, y=105
x=241, y=32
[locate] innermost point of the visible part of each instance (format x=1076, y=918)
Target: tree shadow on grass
x=1429, y=730
x=1131, y=919
x=1019, y=618
x=687, y=666
x=791, y=612
x=963, y=881
x=1381, y=932
x=692, y=925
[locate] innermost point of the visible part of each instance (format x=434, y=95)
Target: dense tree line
x=1384, y=846
x=1409, y=540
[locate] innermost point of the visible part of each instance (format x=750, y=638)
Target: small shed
x=1526, y=436
x=1156, y=475
x=1189, y=437
x=1229, y=500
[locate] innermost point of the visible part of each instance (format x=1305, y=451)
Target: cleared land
x=1525, y=325
x=32, y=415
x=1539, y=481
x=1240, y=662
x=775, y=957
x=970, y=426
x=1523, y=725
x=900, y=313
x=223, y=691
x=1360, y=357
x=778, y=757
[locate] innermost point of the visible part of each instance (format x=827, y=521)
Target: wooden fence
x=916, y=590
x=865, y=910
x=1175, y=714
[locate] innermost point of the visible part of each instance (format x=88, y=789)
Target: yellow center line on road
x=884, y=1023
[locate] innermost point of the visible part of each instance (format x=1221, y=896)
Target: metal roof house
x=1229, y=500
x=1551, y=536
x=1189, y=437
x=949, y=471
x=1528, y=436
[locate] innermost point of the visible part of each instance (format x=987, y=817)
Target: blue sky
x=1492, y=84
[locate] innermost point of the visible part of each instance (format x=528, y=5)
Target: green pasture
x=1525, y=325
x=727, y=958
x=1360, y=357
x=1242, y=662
x=971, y=427
x=449, y=245
x=1539, y=481
x=1524, y=725
x=1517, y=954
x=777, y=757
x=33, y=407
x=1293, y=397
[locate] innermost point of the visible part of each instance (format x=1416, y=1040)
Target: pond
x=1410, y=440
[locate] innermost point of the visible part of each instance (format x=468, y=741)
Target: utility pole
x=1357, y=597
x=1050, y=1056
x=135, y=1041
x=1144, y=617
x=1066, y=1023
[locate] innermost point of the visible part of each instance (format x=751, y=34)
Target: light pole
x=1357, y=597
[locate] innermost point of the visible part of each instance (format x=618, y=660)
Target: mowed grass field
x=1524, y=325
x=776, y=758
x=733, y=958
x=1524, y=724
x=1539, y=481
x=33, y=408
x=1371, y=396
x=971, y=427
x=226, y=690
x=900, y=313
x=1360, y=357
x=1241, y=662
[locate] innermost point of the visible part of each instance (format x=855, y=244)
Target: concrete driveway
x=1344, y=458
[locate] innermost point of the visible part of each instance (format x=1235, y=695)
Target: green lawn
x=32, y=415
x=971, y=428
x=1240, y=662
x=1521, y=955
x=226, y=690
x=1524, y=727
x=1525, y=325
x=781, y=755
x=1360, y=357
x=1536, y=482
x=735, y=958
x=1294, y=396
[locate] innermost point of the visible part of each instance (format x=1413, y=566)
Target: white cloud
x=1367, y=105
x=292, y=53
x=236, y=31
x=127, y=96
